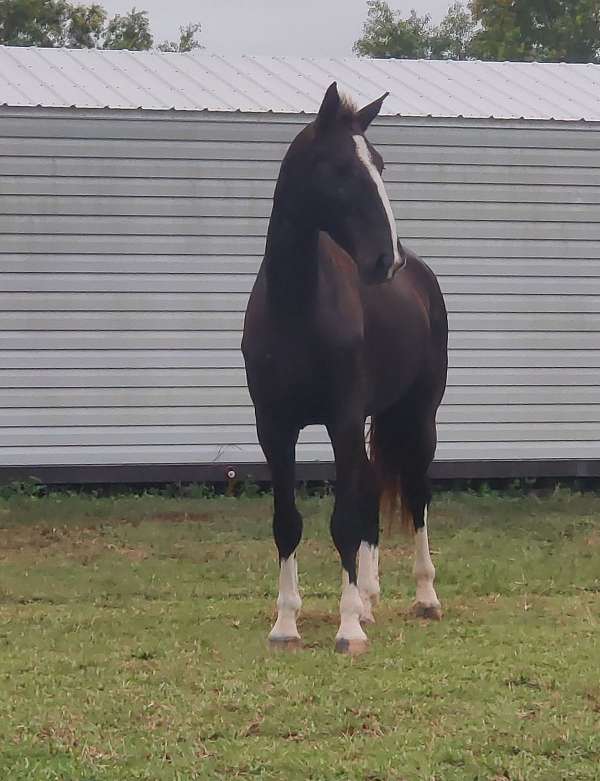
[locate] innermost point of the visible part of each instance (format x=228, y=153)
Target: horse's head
x=338, y=175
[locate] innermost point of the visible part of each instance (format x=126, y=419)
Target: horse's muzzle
x=396, y=267
x=382, y=269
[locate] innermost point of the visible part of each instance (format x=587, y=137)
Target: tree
x=131, y=31
x=542, y=30
x=452, y=39
x=85, y=26
x=518, y=30
x=387, y=33
x=187, y=40
x=49, y=23
x=33, y=22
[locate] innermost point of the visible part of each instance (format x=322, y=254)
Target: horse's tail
x=385, y=434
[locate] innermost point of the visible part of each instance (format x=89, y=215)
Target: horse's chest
x=287, y=369
x=292, y=373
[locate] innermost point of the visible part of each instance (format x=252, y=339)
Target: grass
x=132, y=646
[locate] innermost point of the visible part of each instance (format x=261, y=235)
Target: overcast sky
x=310, y=28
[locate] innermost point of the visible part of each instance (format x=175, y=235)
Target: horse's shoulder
x=417, y=282
x=423, y=276
x=417, y=265
x=334, y=256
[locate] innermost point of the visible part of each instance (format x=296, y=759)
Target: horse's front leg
x=355, y=530
x=278, y=442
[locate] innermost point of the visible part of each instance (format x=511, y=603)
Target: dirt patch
x=133, y=554
x=47, y=539
x=61, y=736
x=176, y=516
x=81, y=545
x=594, y=539
x=395, y=553
x=64, y=738
x=593, y=698
x=314, y=618
x=367, y=723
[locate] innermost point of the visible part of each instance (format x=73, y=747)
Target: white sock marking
x=350, y=609
x=375, y=554
x=364, y=156
x=368, y=578
x=288, y=601
x=423, y=569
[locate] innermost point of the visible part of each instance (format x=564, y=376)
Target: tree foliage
x=519, y=30
x=85, y=26
x=187, y=40
x=33, y=22
x=387, y=34
x=452, y=38
x=50, y=23
x=131, y=31
x=542, y=30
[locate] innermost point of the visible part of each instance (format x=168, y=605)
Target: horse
x=344, y=324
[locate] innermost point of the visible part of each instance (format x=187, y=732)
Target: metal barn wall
x=130, y=241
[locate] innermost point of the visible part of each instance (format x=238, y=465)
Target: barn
x=135, y=191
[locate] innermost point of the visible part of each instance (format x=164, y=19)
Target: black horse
x=343, y=324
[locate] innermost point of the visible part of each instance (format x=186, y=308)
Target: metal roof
x=90, y=78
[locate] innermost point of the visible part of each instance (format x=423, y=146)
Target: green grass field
x=132, y=645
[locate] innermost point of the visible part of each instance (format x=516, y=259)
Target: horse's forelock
x=346, y=111
x=348, y=108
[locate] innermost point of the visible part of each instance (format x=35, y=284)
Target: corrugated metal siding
x=93, y=78
x=129, y=245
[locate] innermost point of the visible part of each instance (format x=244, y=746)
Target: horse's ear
x=367, y=114
x=329, y=107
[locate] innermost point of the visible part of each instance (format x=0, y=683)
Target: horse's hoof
x=285, y=643
x=351, y=647
x=430, y=612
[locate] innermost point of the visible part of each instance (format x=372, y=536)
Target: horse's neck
x=291, y=259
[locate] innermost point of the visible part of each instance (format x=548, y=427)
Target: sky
x=308, y=28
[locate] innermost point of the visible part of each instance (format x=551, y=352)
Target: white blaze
x=362, y=150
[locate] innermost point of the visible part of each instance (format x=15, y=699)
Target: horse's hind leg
x=278, y=442
x=419, y=449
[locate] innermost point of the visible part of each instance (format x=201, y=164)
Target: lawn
x=132, y=645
